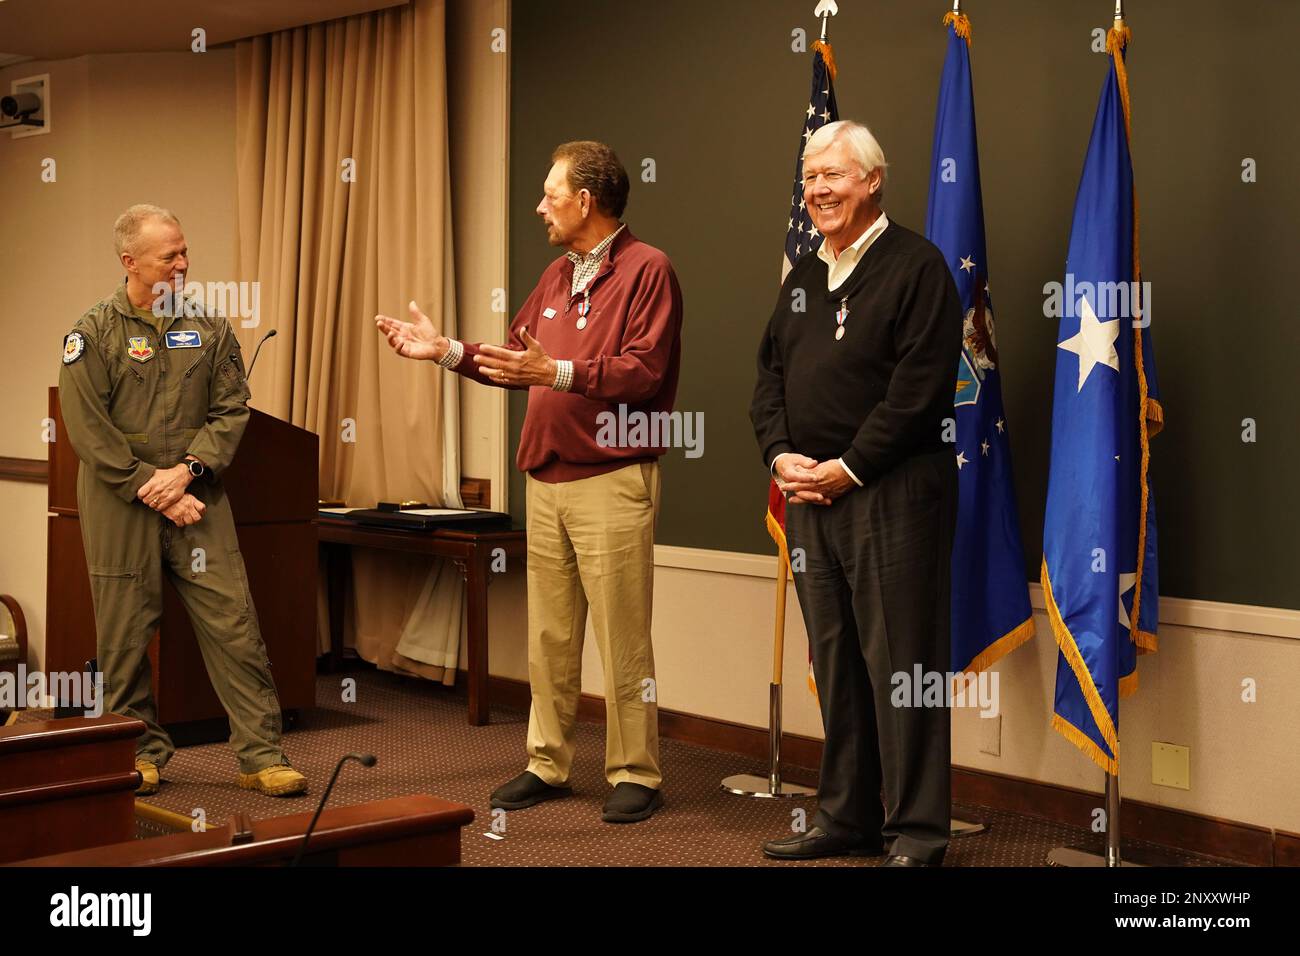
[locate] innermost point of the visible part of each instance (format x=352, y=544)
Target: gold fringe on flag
x=1085, y=743
x=1149, y=410
x=960, y=24
x=783, y=556
x=778, y=535
x=828, y=55
x=1100, y=715
x=1000, y=648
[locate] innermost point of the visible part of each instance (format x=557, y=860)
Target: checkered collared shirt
x=584, y=270
x=586, y=267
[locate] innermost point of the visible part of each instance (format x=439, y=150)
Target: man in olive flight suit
x=154, y=401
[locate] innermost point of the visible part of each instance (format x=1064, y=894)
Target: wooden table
x=66, y=784
x=471, y=550
x=418, y=830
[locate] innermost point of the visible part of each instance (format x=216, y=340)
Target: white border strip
x=1182, y=612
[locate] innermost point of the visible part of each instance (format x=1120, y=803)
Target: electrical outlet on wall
x=990, y=735
x=1171, y=766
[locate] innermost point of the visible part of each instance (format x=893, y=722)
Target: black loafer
x=817, y=843
x=526, y=790
x=899, y=860
x=631, y=802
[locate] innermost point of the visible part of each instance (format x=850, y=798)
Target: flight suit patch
x=138, y=347
x=74, y=346
x=184, y=340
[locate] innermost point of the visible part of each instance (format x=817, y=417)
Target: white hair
x=126, y=231
x=861, y=143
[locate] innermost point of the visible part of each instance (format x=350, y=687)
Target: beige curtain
x=344, y=211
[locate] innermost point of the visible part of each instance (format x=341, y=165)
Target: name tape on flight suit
x=184, y=340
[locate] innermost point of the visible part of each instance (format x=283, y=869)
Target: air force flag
x=990, y=595
x=1099, y=535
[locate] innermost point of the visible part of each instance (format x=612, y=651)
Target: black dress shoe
x=817, y=843
x=630, y=802
x=899, y=860
x=526, y=790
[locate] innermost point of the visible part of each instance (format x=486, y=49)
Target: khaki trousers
x=591, y=548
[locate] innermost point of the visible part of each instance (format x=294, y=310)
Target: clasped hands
x=804, y=480
x=420, y=339
x=165, y=492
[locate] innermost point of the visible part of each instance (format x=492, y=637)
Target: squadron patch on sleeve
x=74, y=344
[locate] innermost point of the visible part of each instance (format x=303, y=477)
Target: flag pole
x=749, y=784
x=1072, y=856
x=958, y=827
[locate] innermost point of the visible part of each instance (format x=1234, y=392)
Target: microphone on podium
x=366, y=760
x=256, y=353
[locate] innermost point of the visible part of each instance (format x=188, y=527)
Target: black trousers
x=875, y=594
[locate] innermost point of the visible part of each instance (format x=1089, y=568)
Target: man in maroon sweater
x=598, y=338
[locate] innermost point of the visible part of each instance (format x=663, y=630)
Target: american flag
x=801, y=236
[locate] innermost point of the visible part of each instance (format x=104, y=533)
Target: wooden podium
x=273, y=490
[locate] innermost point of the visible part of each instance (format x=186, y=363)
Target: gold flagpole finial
x=826, y=9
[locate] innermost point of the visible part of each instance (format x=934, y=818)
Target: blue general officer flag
x=1099, y=536
x=991, y=614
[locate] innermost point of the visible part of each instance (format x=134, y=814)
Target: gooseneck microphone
x=256, y=353
x=366, y=760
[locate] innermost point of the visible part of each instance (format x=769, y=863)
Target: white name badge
x=548, y=313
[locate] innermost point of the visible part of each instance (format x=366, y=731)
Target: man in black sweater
x=854, y=394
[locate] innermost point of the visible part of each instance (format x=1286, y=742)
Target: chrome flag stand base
x=1072, y=856
x=751, y=784
x=1069, y=856
x=964, y=828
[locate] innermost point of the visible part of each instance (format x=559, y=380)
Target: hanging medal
x=583, y=308
x=840, y=316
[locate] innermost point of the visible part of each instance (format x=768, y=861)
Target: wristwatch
x=196, y=467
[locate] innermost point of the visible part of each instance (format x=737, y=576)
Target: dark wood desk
x=472, y=551
x=66, y=784
x=417, y=830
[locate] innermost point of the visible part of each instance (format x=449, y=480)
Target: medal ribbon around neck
x=583, y=308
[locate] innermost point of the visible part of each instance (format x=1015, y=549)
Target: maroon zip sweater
x=628, y=354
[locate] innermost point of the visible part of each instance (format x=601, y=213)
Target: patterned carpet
x=424, y=745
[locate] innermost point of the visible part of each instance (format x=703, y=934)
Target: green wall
x=713, y=93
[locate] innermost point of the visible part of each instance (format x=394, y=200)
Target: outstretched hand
x=522, y=367
x=417, y=339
